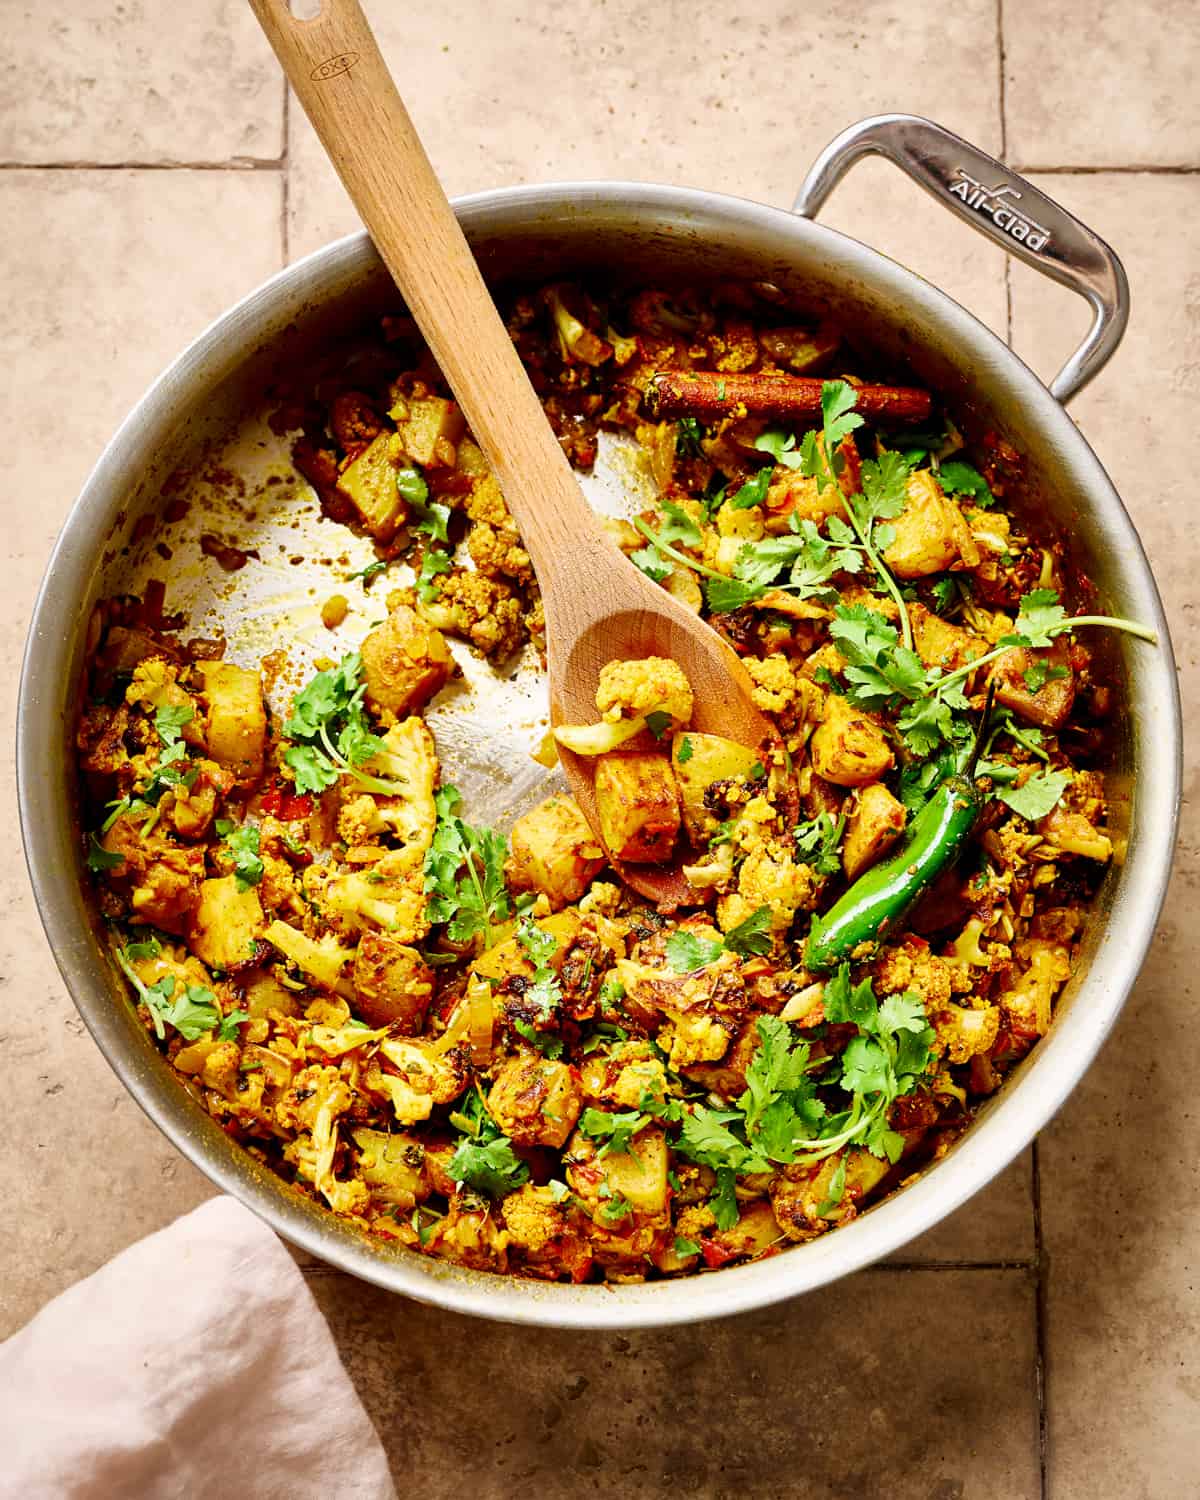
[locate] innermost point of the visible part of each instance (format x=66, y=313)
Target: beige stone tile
x=892, y=1384
x=994, y=1226
x=99, y=82
x=737, y=100
x=105, y=276
x=1094, y=85
x=1120, y=1186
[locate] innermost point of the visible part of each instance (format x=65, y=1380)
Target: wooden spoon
x=599, y=607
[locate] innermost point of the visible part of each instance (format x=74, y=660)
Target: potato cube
x=1050, y=706
x=393, y=984
x=554, y=851
x=876, y=821
x=849, y=747
x=369, y=483
x=701, y=761
x=237, y=718
x=931, y=532
x=637, y=1176
x=535, y=1100
x=429, y=420
x=392, y=1166
x=638, y=806
x=405, y=662
x=226, y=925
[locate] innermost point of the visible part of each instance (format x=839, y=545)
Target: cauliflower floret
x=632, y=689
x=324, y=960
x=532, y=1218
x=963, y=1032
x=494, y=541
x=388, y=893
x=1029, y=1004
x=484, y=611
x=624, y=1076
x=427, y=1073
x=409, y=760
x=155, y=685
x=769, y=877
x=910, y=968
x=313, y=1104
x=775, y=682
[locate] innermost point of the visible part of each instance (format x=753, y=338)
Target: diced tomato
x=287, y=806
x=716, y=1255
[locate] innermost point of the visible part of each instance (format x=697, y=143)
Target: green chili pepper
x=879, y=900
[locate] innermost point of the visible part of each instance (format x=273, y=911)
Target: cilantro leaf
x=884, y=487
x=688, y=436
x=1040, y=673
x=244, y=846
x=435, y=562
x=879, y=668
x=1041, y=618
x=170, y=719
x=837, y=1190
x=432, y=517
x=1038, y=796
x=723, y=1201
x=651, y=562
x=753, y=935
x=958, y=478
x=780, y=445
x=679, y=526
x=464, y=874
x=615, y=1130
x=99, y=858
x=725, y=594
x=779, y=1066
x=839, y=420
x=372, y=570
x=753, y=492
x=818, y=842
x=484, y=1158
x=685, y=1248
x=688, y=951
x=228, y=1030
x=313, y=769
x=684, y=753
x=658, y=722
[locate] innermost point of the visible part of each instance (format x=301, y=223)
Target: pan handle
x=1000, y=204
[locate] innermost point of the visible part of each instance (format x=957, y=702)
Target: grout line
x=1125, y=169
x=1040, y=1287
x=236, y=164
x=1000, y=62
x=285, y=246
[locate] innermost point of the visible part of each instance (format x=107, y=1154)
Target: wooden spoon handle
x=342, y=81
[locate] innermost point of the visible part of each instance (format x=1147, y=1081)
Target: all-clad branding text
x=1000, y=205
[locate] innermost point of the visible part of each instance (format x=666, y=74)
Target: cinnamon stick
x=709, y=395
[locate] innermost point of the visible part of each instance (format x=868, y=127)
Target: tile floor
x=1044, y=1342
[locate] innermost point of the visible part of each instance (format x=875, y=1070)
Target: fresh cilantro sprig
x=330, y=734
x=243, y=844
x=1038, y=796
x=958, y=478
x=484, y=1159
x=819, y=841
x=464, y=874
x=615, y=1130
x=544, y=992
x=883, y=484
x=191, y=1009
x=432, y=517
x=689, y=951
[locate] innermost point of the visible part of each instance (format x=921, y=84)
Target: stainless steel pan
x=201, y=429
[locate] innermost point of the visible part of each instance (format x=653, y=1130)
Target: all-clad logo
x=1000, y=205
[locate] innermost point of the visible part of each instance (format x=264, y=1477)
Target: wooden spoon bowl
x=599, y=608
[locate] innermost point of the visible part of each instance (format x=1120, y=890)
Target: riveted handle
x=1004, y=206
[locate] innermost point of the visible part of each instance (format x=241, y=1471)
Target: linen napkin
x=195, y=1364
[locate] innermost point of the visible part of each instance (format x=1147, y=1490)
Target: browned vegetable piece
x=427, y=422
x=405, y=662
x=711, y=394
x=535, y=1100
x=392, y=983
x=354, y=420
x=237, y=719
x=849, y=748
x=931, y=532
x=554, y=851
x=876, y=821
x=800, y=348
x=638, y=806
x=942, y=644
x=161, y=879
x=1050, y=706
x=369, y=483
x=226, y=924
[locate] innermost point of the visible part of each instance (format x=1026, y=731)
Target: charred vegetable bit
x=480, y=1046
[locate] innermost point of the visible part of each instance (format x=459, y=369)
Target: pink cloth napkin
x=195, y=1364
